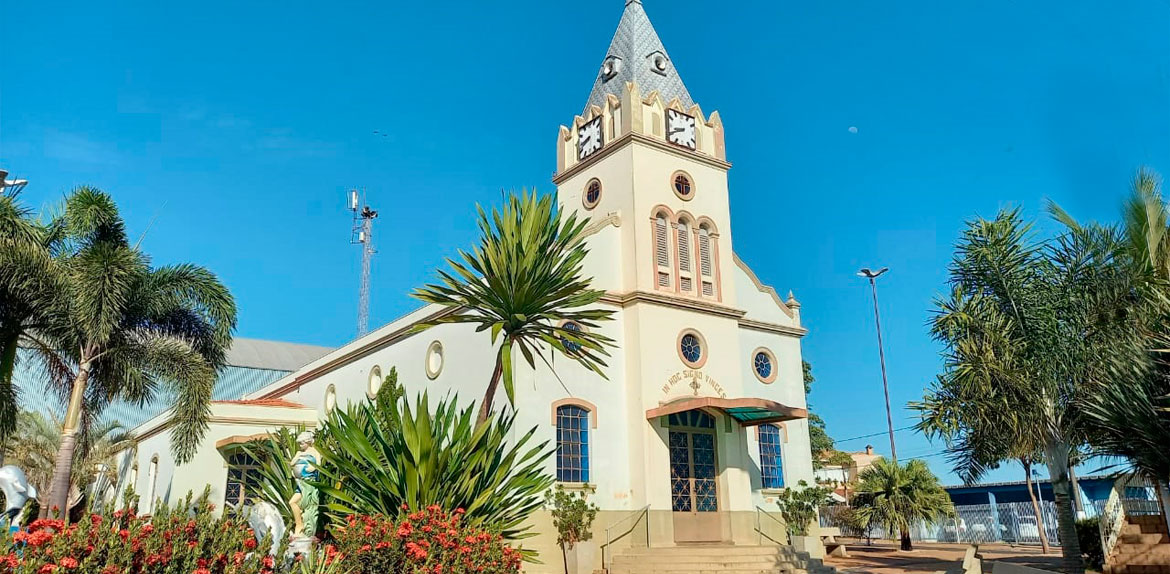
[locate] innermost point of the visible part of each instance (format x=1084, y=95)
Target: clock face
x=680, y=129
x=589, y=138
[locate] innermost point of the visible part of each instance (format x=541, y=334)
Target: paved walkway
x=885, y=558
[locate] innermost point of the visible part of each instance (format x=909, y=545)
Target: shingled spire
x=637, y=55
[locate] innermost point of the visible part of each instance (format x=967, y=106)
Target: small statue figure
x=17, y=492
x=304, y=502
x=265, y=520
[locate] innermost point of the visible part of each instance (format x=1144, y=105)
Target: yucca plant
x=523, y=283
x=276, y=480
x=439, y=458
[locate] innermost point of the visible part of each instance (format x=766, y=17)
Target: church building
x=702, y=416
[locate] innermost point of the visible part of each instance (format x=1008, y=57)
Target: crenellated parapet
x=668, y=122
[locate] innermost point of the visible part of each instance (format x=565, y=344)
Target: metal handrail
x=759, y=527
x=608, y=551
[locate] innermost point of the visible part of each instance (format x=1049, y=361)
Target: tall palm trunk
x=485, y=407
x=1035, y=506
x=8, y=346
x=63, y=468
x=1056, y=455
x=906, y=545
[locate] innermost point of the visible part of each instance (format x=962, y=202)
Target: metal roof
x=637, y=56
x=272, y=355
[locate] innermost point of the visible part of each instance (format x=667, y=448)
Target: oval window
x=434, y=360
x=592, y=193
x=682, y=185
x=375, y=382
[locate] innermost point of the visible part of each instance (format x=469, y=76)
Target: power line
x=872, y=434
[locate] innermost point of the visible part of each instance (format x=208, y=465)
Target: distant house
x=1094, y=490
x=844, y=476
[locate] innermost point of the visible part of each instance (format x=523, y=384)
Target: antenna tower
x=362, y=233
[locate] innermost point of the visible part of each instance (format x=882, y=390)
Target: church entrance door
x=693, y=478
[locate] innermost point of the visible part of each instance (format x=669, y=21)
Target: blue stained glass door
x=694, y=493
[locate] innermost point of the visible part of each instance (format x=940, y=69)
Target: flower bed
x=429, y=541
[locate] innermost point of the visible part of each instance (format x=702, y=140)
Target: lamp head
x=870, y=274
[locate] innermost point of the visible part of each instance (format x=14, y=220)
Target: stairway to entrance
x=716, y=558
x=1142, y=548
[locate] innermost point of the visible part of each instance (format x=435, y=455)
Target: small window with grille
x=572, y=444
x=771, y=462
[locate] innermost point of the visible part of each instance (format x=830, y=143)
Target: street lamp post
x=10, y=186
x=872, y=275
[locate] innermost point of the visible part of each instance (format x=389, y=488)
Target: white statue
x=265, y=519
x=17, y=491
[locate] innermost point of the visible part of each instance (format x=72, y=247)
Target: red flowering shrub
x=428, y=541
x=180, y=541
x=173, y=541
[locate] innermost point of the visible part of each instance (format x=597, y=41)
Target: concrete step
x=708, y=550
x=640, y=570
x=706, y=565
x=1144, y=538
x=684, y=560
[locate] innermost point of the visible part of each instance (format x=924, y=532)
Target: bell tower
x=644, y=153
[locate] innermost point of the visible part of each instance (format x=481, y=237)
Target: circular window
x=570, y=346
x=592, y=193
x=375, y=382
x=330, y=399
x=434, y=360
x=682, y=185
x=764, y=365
x=692, y=349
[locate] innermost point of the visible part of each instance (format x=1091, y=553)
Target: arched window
x=771, y=463
x=152, y=483
x=685, y=279
x=572, y=444
x=662, y=250
x=243, y=479
x=706, y=261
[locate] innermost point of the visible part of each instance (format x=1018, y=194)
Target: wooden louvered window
x=685, y=278
x=706, y=267
x=662, y=251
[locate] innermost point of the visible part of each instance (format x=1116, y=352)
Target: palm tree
x=967, y=420
x=523, y=283
x=898, y=497
x=34, y=445
x=27, y=291
x=128, y=329
x=1031, y=328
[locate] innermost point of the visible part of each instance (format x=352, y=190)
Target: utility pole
x=872, y=275
x=362, y=233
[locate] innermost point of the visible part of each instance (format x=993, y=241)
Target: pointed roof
x=637, y=55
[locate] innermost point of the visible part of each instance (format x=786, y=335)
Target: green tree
x=896, y=497
x=1130, y=418
x=967, y=420
x=523, y=283
x=34, y=445
x=799, y=506
x=129, y=330
x=573, y=517
x=1031, y=328
x=28, y=291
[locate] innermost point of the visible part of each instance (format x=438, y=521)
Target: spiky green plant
x=897, y=497
x=432, y=457
x=521, y=283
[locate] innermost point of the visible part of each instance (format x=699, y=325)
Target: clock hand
x=676, y=130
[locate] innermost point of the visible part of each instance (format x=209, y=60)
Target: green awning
x=747, y=411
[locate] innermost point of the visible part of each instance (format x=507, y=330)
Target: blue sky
x=236, y=126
